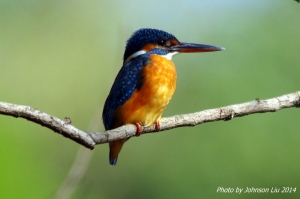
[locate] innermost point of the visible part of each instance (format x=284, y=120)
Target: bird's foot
x=157, y=126
x=139, y=129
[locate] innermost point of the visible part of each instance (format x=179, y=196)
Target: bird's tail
x=114, y=150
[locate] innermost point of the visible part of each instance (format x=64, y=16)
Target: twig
x=89, y=140
x=80, y=164
x=75, y=175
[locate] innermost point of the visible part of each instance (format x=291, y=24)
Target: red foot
x=157, y=126
x=138, y=129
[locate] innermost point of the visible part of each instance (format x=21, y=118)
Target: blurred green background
x=61, y=57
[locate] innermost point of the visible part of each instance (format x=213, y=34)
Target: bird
x=145, y=83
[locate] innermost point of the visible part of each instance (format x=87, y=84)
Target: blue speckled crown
x=144, y=36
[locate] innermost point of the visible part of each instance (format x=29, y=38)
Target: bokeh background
x=61, y=57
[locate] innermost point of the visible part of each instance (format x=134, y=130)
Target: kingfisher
x=145, y=83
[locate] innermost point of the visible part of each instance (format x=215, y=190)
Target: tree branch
x=89, y=140
x=57, y=125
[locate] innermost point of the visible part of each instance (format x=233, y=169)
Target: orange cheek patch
x=149, y=47
x=174, y=42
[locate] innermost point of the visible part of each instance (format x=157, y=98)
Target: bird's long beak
x=194, y=48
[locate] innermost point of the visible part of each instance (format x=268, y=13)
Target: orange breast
x=147, y=104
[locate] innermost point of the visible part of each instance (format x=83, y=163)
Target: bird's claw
x=157, y=126
x=139, y=129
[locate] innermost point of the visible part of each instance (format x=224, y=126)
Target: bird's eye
x=162, y=42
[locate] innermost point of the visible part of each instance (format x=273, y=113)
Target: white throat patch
x=168, y=56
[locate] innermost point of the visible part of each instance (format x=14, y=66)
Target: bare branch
x=60, y=126
x=211, y=115
x=89, y=140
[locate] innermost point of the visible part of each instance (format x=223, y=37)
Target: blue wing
x=127, y=80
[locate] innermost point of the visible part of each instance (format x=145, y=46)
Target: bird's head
x=146, y=39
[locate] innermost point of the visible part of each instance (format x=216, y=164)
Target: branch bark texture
x=89, y=140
